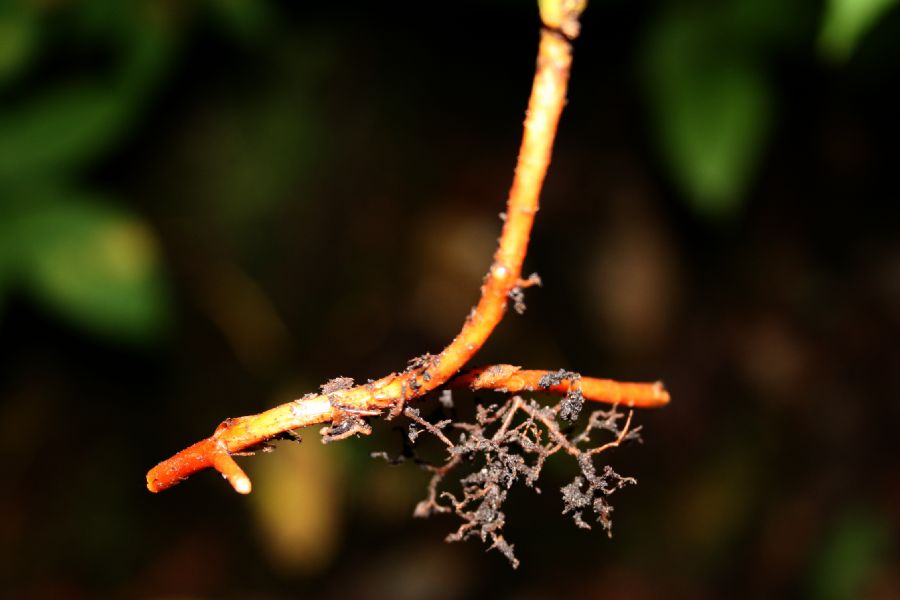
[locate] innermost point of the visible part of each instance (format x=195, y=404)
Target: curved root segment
x=431, y=372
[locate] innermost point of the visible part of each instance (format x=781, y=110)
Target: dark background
x=209, y=208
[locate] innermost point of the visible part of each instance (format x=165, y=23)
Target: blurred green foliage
x=846, y=22
x=855, y=548
x=19, y=32
x=709, y=83
x=88, y=260
x=710, y=93
x=244, y=19
x=91, y=261
x=712, y=106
